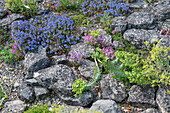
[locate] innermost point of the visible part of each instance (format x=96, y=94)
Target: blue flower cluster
x=51, y=31
x=111, y=7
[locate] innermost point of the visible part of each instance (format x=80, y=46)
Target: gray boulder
x=16, y=106
x=87, y=68
x=84, y=48
x=139, y=95
x=138, y=4
x=3, y=9
x=86, y=99
x=60, y=78
x=163, y=99
x=61, y=59
x=34, y=62
x=31, y=82
x=106, y=106
x=112, y=89
x=40, y=91
x=141, y=20
x=119, y=23
x=13, y=17
x=162, y=9
x=26, y=93
x=165, y=42
x=151, y=110
x=137, y=37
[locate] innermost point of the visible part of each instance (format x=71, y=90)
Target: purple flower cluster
x=50, y=31
x=57, y=3
x=108, y=52
x=99, y=41
x=75, y=58
x=94, y=41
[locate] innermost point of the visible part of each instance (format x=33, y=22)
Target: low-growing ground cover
x=58, y=31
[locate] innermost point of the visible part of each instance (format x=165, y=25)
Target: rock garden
x=84, y=56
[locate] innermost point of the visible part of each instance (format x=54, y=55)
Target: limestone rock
x=84, y=48
x=142, y=95
x=137, y=37
x=60, y=78
x=16, y=106
x=119, y=23
x=163, y=99
x=112, y=89
x=141, y=20
x=106, y=106
x=34, y=62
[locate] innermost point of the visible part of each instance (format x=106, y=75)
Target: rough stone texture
x=42, y=50
x=138, y=4
x=163, y=99
x=137, y=37
x=87, y=68
x=84, y=48
x=61, y=59
x=165, y=42
x=120, y=24
x=86, y=99
x=3, y=9
x=13, y=17
x=108, y=38
x=59, y=74
x=142, y=95
x=31, y=82
x=112, y=89
x=60, y=78
x=26, y=93
x=118, y=44
x=141, y=20
x=151, y=110
x=16, y=106
x=34, y=62
x=106, y=106
x=40, y=91
x=162, y=10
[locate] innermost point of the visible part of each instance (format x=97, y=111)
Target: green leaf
x=113, y=68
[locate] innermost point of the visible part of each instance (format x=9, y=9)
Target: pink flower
x=15, y=46
x=56, y=5
x=113, y=31
x=13, y=51
x=8, y=16
x=19, y=54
